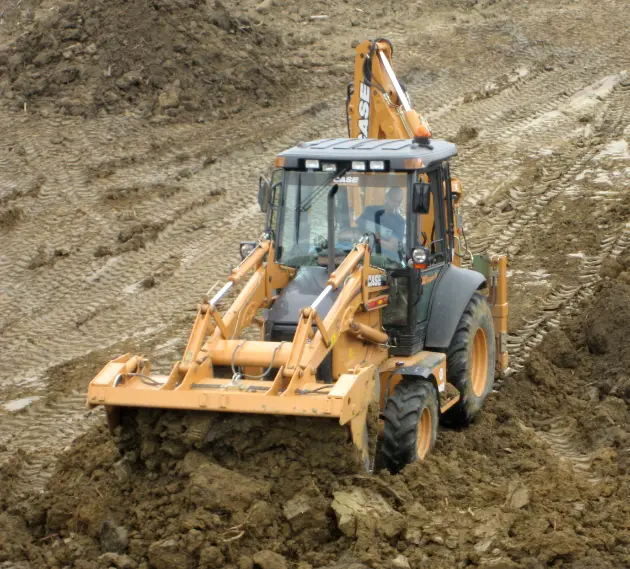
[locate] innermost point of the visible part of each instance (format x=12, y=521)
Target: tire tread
x=402, y=413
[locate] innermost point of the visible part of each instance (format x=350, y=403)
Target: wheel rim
x=479, y=366
x=425, y=433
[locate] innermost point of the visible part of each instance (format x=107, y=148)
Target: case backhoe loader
x=357, y=289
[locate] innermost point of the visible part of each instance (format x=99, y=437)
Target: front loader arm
x=378, y=107
x=211, y=328
x=314, y=337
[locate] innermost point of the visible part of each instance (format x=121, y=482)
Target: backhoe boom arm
x=378, y=106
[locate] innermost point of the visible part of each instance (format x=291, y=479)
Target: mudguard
x=426, y=368
x=450, y=297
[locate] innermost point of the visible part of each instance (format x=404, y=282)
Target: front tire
x=470, y=362
x=411, y=423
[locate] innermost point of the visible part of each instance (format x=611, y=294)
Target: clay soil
x=133, y=137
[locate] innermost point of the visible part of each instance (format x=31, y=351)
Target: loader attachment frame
x=293, y=389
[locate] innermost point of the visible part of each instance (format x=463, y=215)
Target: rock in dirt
x=489, y=524
x=605, y=323
x=465, y=134
x=264, y=7
x=126, y=233
x=129, y=80
x=41, y=259
x=611, y=268
x=307, y=511
x=211, y=557
x=245, y=562
x=559, y=351
x=168, y=553
x=113, y=538
x=364, y=514
x=517, y=495
x=118, y=561
x=169, y=98
x=267, y=559
x=102, y=251
x=262, y=516
x=214, y=487
x=122, y=470
x=401, y=562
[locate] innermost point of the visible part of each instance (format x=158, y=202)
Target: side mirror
x=421, y=202
x=264, y=190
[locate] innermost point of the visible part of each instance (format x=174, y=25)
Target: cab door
x=430, y=232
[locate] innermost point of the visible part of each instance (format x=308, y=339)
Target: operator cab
x=394, y=194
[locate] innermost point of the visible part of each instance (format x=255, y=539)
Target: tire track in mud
x=564, y=300
x=522, y=207
x=559, y=434
x=613, y=241
x=52, y=426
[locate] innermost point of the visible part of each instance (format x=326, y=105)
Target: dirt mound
x=258, y=494
x=161, y=57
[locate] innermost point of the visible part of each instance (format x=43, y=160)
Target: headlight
x=420, y=258
x=247, y=248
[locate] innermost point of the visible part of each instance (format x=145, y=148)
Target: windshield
x=372, y=203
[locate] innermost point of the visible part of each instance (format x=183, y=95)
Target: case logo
x=429, y=279
x=347, y=180
x=377, y=280
x=364, y=110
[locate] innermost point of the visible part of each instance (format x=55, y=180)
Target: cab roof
x=396, y=151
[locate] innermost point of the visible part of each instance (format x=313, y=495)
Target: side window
x=276, y=195
x=429, y=227
x=448, y=210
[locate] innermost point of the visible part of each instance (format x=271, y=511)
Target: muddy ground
x=541, y=480
x=133, y=137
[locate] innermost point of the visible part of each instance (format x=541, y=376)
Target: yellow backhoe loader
x=357, y=289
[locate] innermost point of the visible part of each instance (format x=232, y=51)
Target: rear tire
x=470, y=362
x=411, y=423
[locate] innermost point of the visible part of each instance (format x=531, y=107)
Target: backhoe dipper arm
x=378, y=107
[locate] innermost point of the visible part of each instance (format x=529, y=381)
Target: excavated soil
x=133, y=137
x=187, y=59
x=541, y=480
